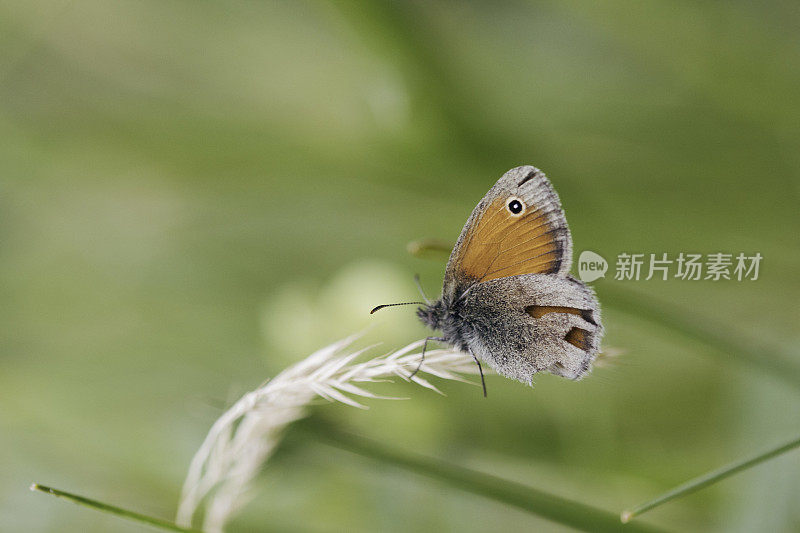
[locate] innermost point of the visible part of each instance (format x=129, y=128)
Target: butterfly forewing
x=499, y=242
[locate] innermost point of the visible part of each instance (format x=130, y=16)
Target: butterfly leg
x=424, y=348
x=480, y=371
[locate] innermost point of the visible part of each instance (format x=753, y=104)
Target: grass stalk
x=112, y=509
x=708, y=479
x=555, y=508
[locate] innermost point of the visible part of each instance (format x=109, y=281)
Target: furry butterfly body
x=508, y=298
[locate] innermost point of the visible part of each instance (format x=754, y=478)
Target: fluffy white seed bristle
x=242, y=439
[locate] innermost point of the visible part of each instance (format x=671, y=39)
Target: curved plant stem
x=111, y=509
x=555, y=508
x=708, y=479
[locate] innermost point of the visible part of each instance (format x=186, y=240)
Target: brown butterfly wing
x=496, y=242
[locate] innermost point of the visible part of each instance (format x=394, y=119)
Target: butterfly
x=508, y=298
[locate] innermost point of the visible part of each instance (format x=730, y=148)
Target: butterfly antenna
x=379, y=307
x=421, y=290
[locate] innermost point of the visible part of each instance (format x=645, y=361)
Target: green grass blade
x=557, y=509
x=403, y=33
x=699, y=328
x=111, y=509
x=708, y=479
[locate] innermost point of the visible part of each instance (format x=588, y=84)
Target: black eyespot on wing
x=515, y=206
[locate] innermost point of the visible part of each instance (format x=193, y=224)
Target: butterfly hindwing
x=533, y=323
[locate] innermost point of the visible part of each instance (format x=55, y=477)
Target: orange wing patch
x=580, y=338
x=502, y=244
x=538, y=311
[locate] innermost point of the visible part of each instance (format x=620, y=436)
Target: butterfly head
x=432, y=314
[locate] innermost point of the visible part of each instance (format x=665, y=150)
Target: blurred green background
x=194, y=195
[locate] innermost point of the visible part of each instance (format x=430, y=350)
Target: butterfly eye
x=515, y=206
